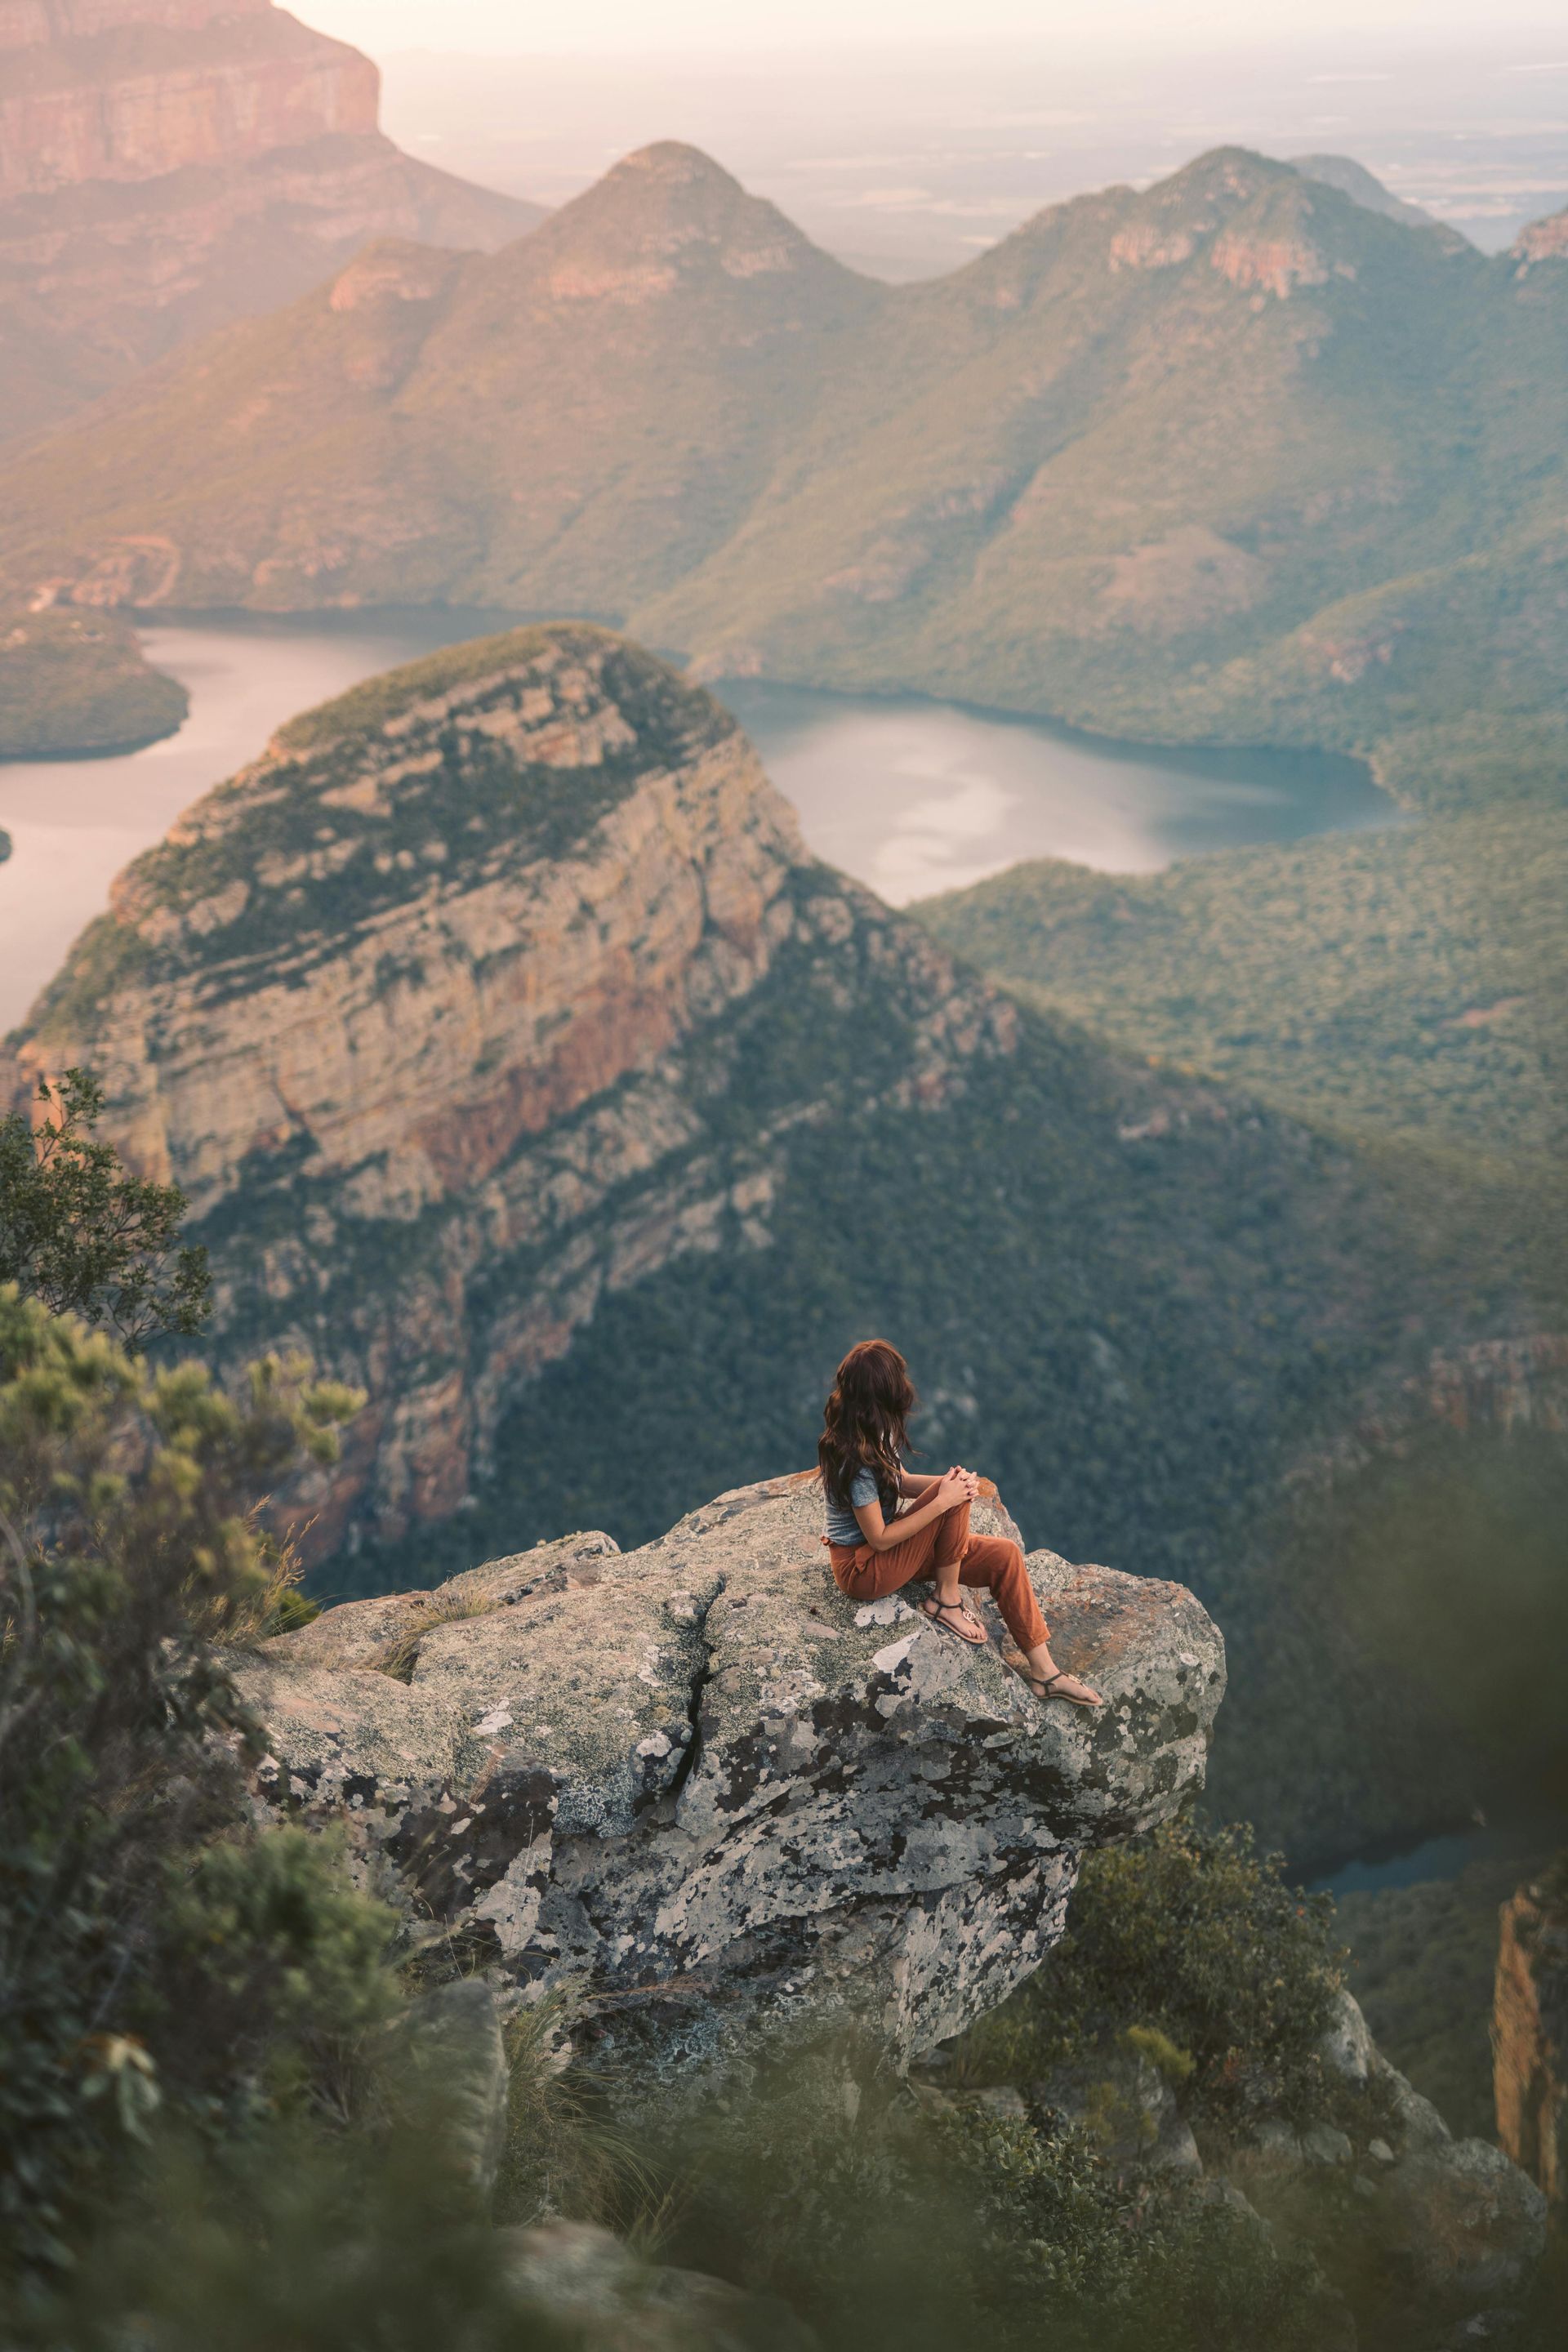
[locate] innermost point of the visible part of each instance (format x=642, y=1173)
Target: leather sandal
x=933, y=1608
x=1045, y=1686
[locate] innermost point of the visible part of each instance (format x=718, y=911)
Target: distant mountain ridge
x=166, y=166
x=1363, y=187
x=1233, y=457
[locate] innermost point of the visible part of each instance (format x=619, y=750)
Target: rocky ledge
x=700, y=1792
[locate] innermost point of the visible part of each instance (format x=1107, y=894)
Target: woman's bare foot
x=1048, y=1680
x=951, y=1615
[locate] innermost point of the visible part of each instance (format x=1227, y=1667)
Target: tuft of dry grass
x=400, y=1657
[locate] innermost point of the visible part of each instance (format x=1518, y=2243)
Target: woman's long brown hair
x=865, y=1421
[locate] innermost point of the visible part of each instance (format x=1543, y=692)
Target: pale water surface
x=909, y=796
x=914, y=797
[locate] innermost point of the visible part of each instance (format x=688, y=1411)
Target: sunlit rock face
x=169, y=164
x=429, y=1011
x=1529, y=2036
x=129, y=89
x=702, y=1788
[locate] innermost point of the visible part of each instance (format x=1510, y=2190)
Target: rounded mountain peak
x=659, y=218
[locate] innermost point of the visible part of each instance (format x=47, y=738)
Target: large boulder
x=701, y=1790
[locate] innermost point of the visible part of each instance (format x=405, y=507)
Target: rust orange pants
x=989, y=1560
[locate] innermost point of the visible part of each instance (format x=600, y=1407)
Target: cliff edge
x=701, y=1788
x=1530, y=2032
x=166, y=166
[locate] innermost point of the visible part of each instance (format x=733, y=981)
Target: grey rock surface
x=1347, y=2049
x=1415, y=2119
x=1321, y=2143
x=1468, y=2224
x=701, y=1788
x=583, y=2281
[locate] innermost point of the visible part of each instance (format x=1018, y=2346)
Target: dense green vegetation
x=1193, y=1941
x=1397, y=1640
x=1410, y=986
x=1407, y=983
x=73, y=682
x=129, y=1545
x=79, y=1234
x=1233, y=457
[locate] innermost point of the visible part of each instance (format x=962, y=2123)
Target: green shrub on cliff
x=902, y=2228
x=128, y=1544
x=81, y=1235
x=1190, y=1943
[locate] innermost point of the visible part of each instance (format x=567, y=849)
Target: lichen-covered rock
x=707, y=1791
x=1347, y=2049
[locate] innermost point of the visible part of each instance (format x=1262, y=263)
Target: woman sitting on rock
x=864, y=1437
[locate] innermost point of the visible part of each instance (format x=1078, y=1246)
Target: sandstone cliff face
x=1529, y=2036
x=167, y=164
x=408, y=1009
x=131, y=91
x=502, y=996
x=703, y=1789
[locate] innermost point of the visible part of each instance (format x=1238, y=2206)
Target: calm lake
x=907, y=795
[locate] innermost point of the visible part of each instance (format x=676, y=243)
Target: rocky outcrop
x=166, y=164
x=1530, y=2033
x=138, y=88
x=709, y=1798
x=1542, y=240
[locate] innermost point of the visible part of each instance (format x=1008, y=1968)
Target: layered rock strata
x=409, y=1009
x=500, y=997
x=1529, y=2035
x=709, y=1795
x=167, y=164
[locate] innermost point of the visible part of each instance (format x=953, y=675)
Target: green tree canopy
x=84, y=1236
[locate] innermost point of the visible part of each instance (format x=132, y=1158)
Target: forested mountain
x=1235, y=457
x=1410, y=984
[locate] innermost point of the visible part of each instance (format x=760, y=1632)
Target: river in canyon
x=909, y=796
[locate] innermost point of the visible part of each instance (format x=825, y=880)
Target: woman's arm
x=941, y=1495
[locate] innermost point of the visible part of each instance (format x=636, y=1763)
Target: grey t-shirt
x=843, y=1527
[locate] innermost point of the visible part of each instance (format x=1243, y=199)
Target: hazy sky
x=523, y=26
